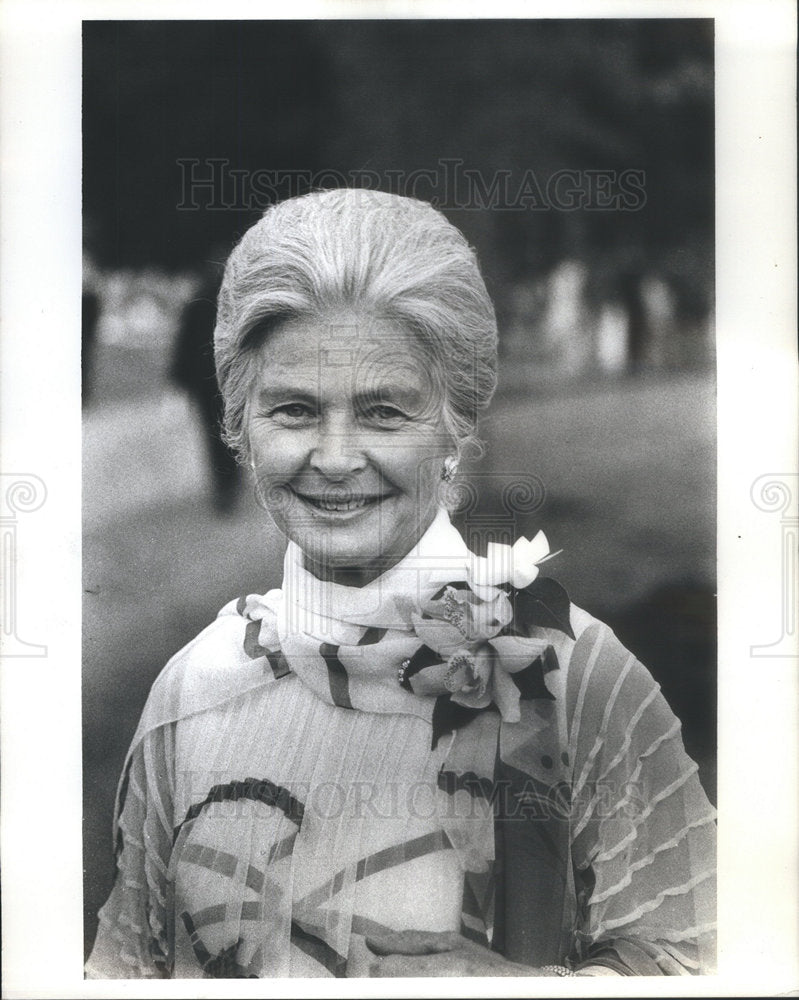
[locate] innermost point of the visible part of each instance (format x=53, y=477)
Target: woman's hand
x=428, y=953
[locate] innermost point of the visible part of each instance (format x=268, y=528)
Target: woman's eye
x=383, y=413
x=293, y=412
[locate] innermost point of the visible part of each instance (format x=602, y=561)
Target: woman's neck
x=352, y=576
x=345, y=576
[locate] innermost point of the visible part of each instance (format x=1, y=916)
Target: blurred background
x=576, y=156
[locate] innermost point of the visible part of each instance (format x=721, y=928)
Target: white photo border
x=756, y=323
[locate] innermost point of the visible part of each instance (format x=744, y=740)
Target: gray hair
x=397, y=258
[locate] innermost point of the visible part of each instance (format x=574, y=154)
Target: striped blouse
x=271, y=815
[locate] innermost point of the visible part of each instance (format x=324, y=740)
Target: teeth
x=338, y=505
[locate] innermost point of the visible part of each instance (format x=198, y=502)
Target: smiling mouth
x=343, y=505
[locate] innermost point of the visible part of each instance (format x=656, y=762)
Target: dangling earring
x=450, y=468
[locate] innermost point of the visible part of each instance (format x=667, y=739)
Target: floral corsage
x=482, y=643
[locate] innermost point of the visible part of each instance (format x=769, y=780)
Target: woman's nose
x=338, y=451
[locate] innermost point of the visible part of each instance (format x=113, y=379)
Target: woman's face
x=347, y=440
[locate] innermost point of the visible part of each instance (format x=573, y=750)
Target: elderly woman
x=411, y=759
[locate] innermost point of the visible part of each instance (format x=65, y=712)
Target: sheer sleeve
x=643, y=839
x=133, y=934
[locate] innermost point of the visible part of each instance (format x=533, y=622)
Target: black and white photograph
x=397, y=521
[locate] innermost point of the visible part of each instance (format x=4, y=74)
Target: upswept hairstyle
x=395, y=258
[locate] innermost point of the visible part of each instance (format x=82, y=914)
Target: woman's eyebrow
x=385, y=391
x=281, y=391
x=395, y=391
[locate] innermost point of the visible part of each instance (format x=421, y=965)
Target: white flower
x=460, y=616
x=468, y=677
x=516, y=565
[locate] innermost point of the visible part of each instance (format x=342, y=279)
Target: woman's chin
x=348, y=563
x=343, y=544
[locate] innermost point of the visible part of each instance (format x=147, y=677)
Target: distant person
x=193, y=370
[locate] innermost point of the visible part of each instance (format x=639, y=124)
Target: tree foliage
x=398, y=96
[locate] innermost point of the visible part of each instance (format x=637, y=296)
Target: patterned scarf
x=417, y=640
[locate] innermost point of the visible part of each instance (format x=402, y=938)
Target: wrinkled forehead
x=349, y=347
